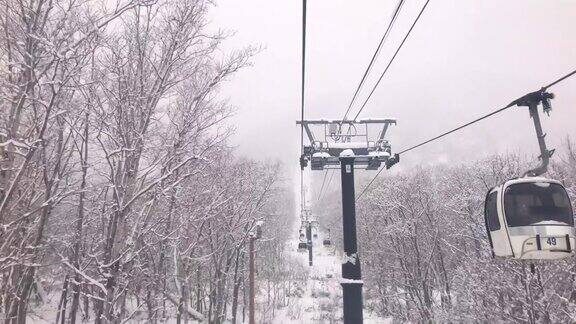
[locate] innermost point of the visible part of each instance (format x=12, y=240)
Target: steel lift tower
x=347, y=144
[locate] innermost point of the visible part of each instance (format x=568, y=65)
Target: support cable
x=512, y=104
x=323, y=183
x=392, y=59
x=327, y=184
x=302, y=194
x=330, y=180
x=303, y=74
x=369, y=184
x=374, y=56
x=559, y=80
x=456, y=129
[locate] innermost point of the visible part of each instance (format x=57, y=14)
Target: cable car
x=302, y=247
x=530, y=218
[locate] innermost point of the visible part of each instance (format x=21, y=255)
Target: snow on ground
x=321, y=301
x=321, y=293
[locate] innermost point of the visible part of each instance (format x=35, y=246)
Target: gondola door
x=495, y=225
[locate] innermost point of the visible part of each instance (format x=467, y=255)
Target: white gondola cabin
x=530, y=218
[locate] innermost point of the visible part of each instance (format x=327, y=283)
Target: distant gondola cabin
x=530, y=218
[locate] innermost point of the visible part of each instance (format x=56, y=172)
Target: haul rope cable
x=302, y=101
x=323, y=183
x=512, y=104
x=371, y=64
x=392, y=59
x=327, y=184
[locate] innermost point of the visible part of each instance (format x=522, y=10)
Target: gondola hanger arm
x=532, y=100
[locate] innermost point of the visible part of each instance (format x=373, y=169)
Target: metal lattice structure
x=346, y=138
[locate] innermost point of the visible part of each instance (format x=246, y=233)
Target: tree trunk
x=76, y=285
x=237, y=283
x=61, y=316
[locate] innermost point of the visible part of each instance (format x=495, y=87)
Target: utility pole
x=252, y=293
x=253, y=237
x=351, y=271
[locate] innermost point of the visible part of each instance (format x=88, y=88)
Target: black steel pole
x=351, y=272
x=309, y=238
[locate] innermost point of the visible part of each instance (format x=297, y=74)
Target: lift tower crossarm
x=348, y=121
x=326, y=151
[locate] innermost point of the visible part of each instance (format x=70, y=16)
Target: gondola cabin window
x=491, y=210
x=537, y=203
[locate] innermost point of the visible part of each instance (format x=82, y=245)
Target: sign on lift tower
x=346, y=143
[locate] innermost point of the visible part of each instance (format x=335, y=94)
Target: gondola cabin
x=530, y=218
x=302, y=247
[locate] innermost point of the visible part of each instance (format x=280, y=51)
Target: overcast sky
x=462, y=60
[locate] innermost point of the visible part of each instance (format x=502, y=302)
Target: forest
x=120, y=196
x=123, y=200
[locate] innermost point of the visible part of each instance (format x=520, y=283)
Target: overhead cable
x=374, y=56
x=512, y=104
x=322, y=188
x=392, y=59
x=303, y=74
x=302, y=194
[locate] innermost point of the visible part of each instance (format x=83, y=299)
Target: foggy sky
x=462, y=60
